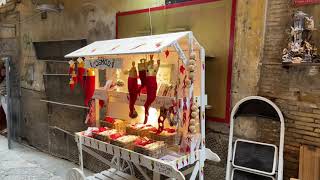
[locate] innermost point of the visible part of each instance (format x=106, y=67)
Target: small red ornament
x=81, y=71
x=167, y=53
x=71, y=66
x=89, y=86
x=101, y=103
x=182, y=69
x=71, y=84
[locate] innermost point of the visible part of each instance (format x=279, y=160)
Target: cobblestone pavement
x=25, y=163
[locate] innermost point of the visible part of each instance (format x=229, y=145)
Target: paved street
x=24, y=163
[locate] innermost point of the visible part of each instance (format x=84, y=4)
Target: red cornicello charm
x=89, y=86
x=71, y=66
x=71, y=84
x=133, y=90
x=81, y=71
x=152, y=86
x=142, y=67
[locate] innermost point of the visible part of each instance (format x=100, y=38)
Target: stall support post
x=80, y=153
x=97, y=105
x=203, y=103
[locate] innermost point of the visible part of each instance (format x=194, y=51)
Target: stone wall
x=296, y=90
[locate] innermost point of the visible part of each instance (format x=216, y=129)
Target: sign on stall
x=104, y=63
x=305, y=2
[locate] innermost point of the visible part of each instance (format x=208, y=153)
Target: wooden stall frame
x=171, y=169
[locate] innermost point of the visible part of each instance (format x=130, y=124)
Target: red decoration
x=101, y=103
x=162, y=117
x=167, y=53
x=80, y=74
x=143, y=79
x=133, y=95
x=142, y=67
x=71, y=66
x=158, y=44
x=151, y=84
x=136, y=47
x=71, y=84
x=102, y=129
x=182, y=69
x=89, y=86
x=143, y=141
x=115, y=136
x=109, y=120
x=74, y=77
x=170, y=130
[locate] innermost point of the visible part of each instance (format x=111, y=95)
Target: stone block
x=304, y=114
x=314, y=125
x=303, y=132
x=299, y=118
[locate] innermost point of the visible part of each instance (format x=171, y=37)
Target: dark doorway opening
x=3, y=120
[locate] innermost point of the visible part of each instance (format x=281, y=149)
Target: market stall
x=150, y=111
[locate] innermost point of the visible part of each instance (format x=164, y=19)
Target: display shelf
x=168, y=168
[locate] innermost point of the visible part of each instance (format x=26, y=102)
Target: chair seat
x=238, y=174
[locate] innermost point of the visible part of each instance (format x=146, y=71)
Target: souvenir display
x=126, y=141
x=133, y=90
x=169, y=135
x=301, y=48
x=149, y=147
x=140, y=129
x=142, y=67
x=104, y=135
x=152, y=104
x=152, y=86
x=89, y=85
x=118, y=124
x=81, y=71
x=71, y=66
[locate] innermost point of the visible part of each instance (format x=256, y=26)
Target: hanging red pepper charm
x=133, y=90
x=71, y=84
x=71, y=66
x=151, y=84
x=142, y=73
x=81, y=71
x=89, y=86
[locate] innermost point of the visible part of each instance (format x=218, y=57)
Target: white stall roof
x=136, y=45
